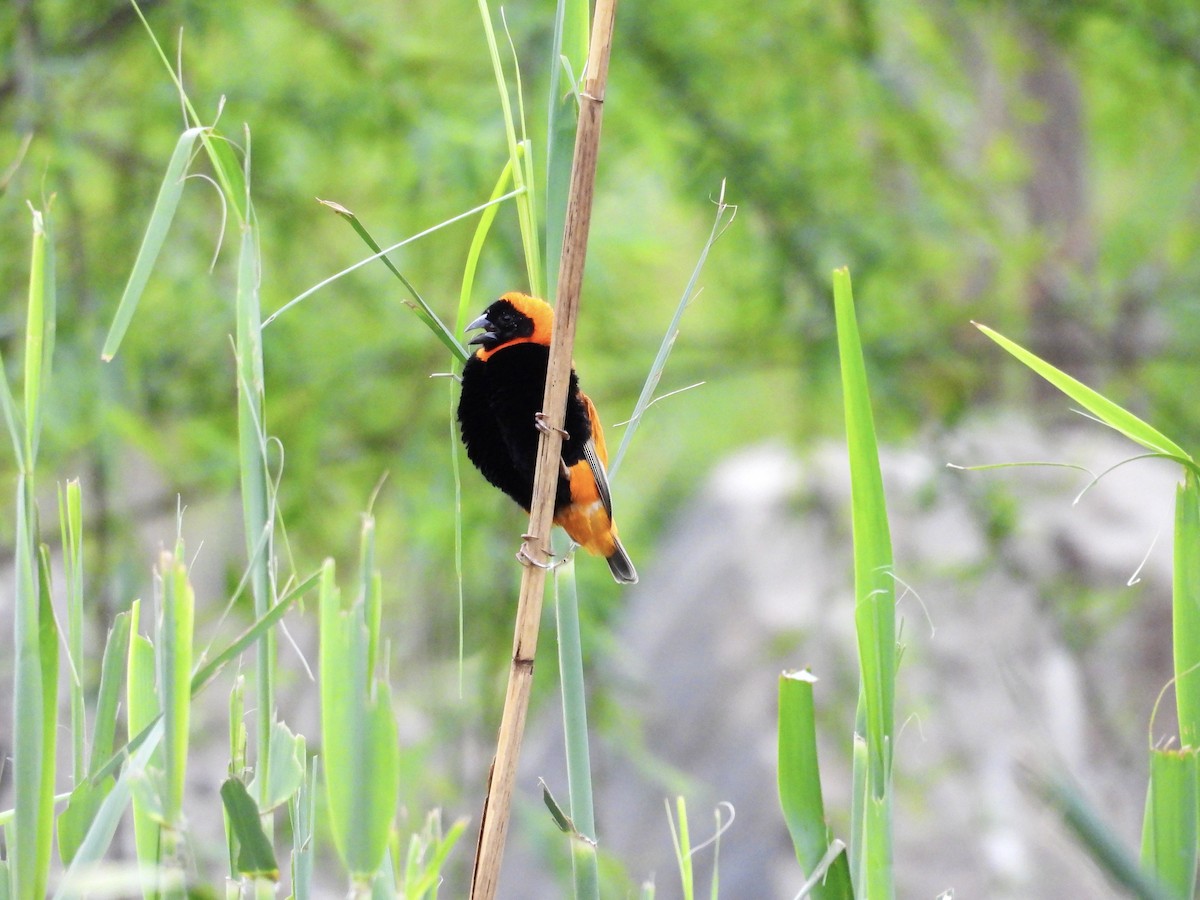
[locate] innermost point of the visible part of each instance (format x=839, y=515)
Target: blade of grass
x=557, y=813
x=584, y=864
x=161, y=217
x=76, y=881
x=530, y=235
x=288, y=752
x=144, y=712
x=683, y=848
x=1185, y=608
x=255, y=486
x=12, y=418
x=425, y=876
x=256, y=856
x=374, y=256
x=1169, y=828
x=237, y=761
x=369, y=591
x=836, y=851
x=456, y=449
x=646, y=398
x=38, y=635
x=358, y=734
x=423, y=310
x=206, y=673
x=35, y=336
x=473, y=253
x=70, y=516
x=567, y=48
x=525, y=202
x=174, y=678
x=302, y=809
x=29, y=754
x=800, y=786
x=1109, y=413
x=859, y=792
x=48, y=638
x=220, y=155
x=875, y=595
x=116, y=649
x=34, y=662
x=1097, y=838
x=87, y=798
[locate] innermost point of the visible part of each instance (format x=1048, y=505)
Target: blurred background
x=1026, y=163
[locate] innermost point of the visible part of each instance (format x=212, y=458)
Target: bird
x=500, y=415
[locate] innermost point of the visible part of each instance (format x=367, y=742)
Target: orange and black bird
x=499, y=414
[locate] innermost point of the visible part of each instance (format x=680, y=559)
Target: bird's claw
x=542, y=424
x=525, y=559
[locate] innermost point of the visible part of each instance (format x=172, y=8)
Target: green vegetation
x=182, y=312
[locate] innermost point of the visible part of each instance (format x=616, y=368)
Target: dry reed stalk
x=497, y=805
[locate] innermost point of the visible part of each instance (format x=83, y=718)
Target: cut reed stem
x=493, y=827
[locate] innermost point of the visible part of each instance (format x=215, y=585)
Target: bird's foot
x=525, y=559
x=541, y=423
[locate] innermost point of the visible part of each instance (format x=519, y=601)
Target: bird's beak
x=489, y=331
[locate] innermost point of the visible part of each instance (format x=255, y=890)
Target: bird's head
x=513, y=319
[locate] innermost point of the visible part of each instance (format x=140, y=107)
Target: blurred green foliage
x=897, y=138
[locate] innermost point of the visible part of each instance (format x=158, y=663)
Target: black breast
x=496, y=416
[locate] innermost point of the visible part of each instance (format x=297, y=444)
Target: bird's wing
x=592, y=455
x=596, y=454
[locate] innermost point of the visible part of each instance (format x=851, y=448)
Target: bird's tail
x=621, y=565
